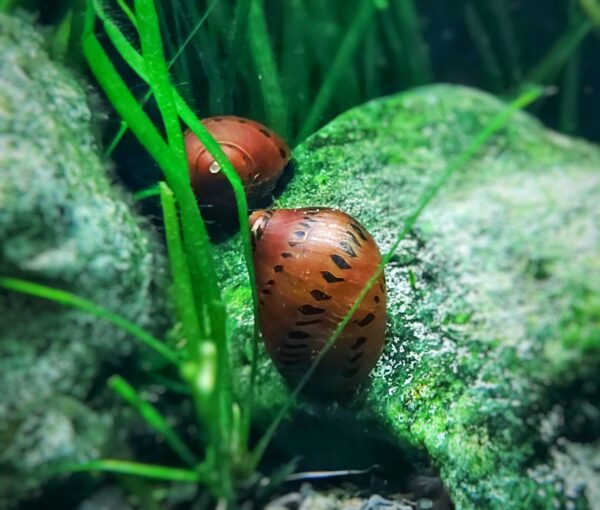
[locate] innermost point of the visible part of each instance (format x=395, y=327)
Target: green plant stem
x=495, y=125
x=481, y=40
x=123, y=126
x=153, y=418
x=338, y=67
x=128, y=108
x=501, y=12
x=418, y=66
x=202, y=373
x=66, y=298
x=266, y=68
x=548, y=68
x=128, y=12
x=569, y=97
x=592, y=10
x=134, y=468
x=151, y=191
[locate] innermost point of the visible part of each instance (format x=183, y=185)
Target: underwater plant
x=203, y=362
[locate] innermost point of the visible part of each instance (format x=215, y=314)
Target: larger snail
x=257, y=153
x=311, y=265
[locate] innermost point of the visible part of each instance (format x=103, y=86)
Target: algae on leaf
x=61, y=224
x=492, y=354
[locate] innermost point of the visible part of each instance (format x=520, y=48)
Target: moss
x=484, y=295
x=62, y=224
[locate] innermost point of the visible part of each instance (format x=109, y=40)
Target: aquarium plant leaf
x=128, y=12
x=501, y=13
x=180, y=51
x=339, y=66
x=495, y=125
x=417, y=55
x=482, y=42
x=150, y=191
x=592, y=10
x=213, y=147
x=551, y=64
x=66, y=298
x=569, y=98
x=276, y=108
x=124, y=467
x=201, y=372
x=120, y=42
x=153, y=418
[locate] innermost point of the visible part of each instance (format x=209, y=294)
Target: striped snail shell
x=257, y=153
x=311, y=265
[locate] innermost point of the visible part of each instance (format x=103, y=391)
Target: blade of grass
x=180, y=51
x=66, y=298
x=264, y=61
x=592, y=10
x=201, y=373
x=339, y=66
x=294, y=58
x=182, y=285
x=500, y=12
x=417, y=57
x=128, y=12
x=153, y=418
x=208, y=59
x=151, y=191
x=495, y=125
x=133, y=468
x=173, y=163
x=148, y=135
x=569, y=98
x=550, y=65
x=481, y=41
x=197, y=246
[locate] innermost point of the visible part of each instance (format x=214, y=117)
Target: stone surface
x=491, y=367
x=62, y=224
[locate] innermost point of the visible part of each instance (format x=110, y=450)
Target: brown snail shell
x=311, y=265
x=257, y=153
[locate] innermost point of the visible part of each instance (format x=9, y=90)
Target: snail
x=257, y=153
x=311, y=265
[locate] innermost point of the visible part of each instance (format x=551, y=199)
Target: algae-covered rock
x=493, y=349
x=61, y=224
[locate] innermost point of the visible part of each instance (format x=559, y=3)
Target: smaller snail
x=257, y=153
x=311, y=265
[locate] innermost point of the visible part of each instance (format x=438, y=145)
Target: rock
x=493, y=347
x=61, y=224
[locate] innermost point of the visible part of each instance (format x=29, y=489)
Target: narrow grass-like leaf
x=133, y=468
x=151, y=191
x=592, y=10
x=500, y=12
x=182, y=286
x=145, y=127
x=125, y=48
x=569, y=97
x=417, y=54
x=209, y=60
x=153, y=418
x=295, y=59
x=128, y=12
x=495, y=125
x=482, y=43
x=179, y=53
x=264, y=61
x=66, y=298
x=550, y=65
x=339, y=66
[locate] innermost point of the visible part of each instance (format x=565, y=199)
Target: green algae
x=489, y=323
x=62, y=223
